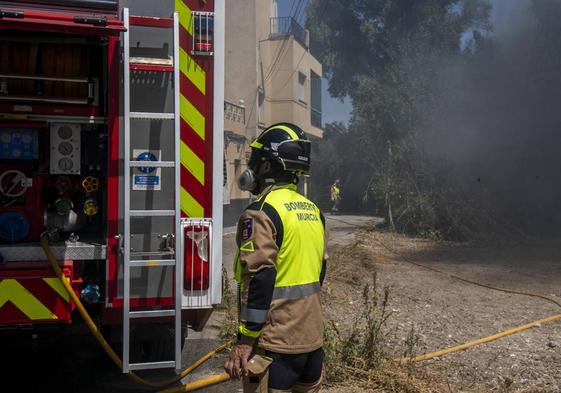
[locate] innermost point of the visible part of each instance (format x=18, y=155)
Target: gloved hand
x=236, y=365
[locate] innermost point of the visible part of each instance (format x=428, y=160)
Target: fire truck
x=111, y=141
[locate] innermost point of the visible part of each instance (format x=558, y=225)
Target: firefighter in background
x=280, y=267
x=335, y=195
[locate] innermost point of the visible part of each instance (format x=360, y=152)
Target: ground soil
x=445, y=312
x=442, y=311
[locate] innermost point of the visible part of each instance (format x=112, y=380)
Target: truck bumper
x=34, y=296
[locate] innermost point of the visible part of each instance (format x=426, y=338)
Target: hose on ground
x=483, y=340
x=111, y=353
x=472, y=343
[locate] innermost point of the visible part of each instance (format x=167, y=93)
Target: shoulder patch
x=247, y=247
x=247, y=229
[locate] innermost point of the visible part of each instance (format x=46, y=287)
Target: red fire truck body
x=87, y=89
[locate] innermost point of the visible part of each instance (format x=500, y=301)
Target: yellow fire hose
x=473, y=343
x=204, y=382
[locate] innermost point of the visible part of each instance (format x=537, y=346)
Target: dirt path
x=445, y=312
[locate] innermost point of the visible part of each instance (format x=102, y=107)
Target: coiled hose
x=204, y=382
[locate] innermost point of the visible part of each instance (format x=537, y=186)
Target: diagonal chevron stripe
x=193, y=110
x=55, y=283
x=185, y=16
x=195, y=142
x=192, y=162
x=192, y=117
x=192, y=70
x=15, y=293
x=196, y=189
x=187, y=64
x=188, y=89
x=190, y=206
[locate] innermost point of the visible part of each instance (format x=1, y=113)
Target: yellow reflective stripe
x=256, y=144
x=238, y=268
x=247, y=247
x=195, y=73
x=190, y=206
x=249, y=333
x=14, y=292
x=187, y=64
x=192, y=117
x=55, y=283
x=185, y=16
x=290, y=132
x=192, y=162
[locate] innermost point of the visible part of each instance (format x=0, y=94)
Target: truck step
x=160, y=253
x=152, y=313
x=152, y=262
x=150, y=21
x=152, y=116
x=152, y=213
x=154, y=365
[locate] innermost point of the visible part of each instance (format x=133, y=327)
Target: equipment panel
x=19, y=144
x=51, y=178
x=65, y=149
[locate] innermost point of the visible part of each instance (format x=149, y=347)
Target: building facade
x=270, y=77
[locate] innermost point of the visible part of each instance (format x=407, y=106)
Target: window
x=315, y=100
x=237, y=168
x=203, y=33
x=260, y=106
x=301, y=92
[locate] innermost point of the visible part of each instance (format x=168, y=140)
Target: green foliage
x=385, y=56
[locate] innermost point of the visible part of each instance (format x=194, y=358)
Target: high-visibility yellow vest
x=299, y=260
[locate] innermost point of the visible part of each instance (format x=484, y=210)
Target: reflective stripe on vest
x=296, y=291
x=253, y=314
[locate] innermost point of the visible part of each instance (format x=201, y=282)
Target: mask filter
x=247, y=181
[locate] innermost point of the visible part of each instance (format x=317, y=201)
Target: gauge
x=16, y=153
x=65, y=132
x=6, y=138
x=65, y=148
x=65, y=164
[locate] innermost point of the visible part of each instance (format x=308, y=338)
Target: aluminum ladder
x=128, y=213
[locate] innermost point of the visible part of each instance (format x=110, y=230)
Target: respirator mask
x=248, y=180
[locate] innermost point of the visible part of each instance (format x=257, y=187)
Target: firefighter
x=335, y=195
x=280, y=266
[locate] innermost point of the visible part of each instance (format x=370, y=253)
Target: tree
x=385, y=55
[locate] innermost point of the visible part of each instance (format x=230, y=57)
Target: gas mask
x=248, y=179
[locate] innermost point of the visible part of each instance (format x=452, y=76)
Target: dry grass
x=349, y=368
x=356, y=352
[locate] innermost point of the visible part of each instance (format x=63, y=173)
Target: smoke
x=497, y=122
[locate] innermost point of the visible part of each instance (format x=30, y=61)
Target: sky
x=335, y=110
x=332, y=109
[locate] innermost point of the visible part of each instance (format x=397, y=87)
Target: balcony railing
x=286, y=25
x=234, y=112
